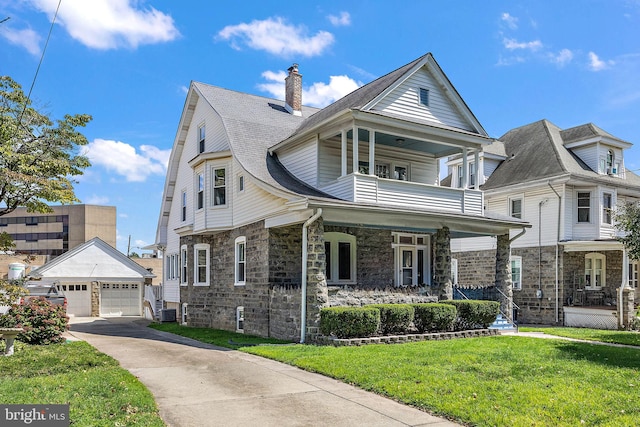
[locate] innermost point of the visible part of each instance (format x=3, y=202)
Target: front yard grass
x=99, y=392
x=616, y=337
x=493, y=381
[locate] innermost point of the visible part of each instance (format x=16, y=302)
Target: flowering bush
x=43, y=322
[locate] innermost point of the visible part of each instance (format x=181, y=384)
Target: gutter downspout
x=303, y=298
x=557, y=249
x=542, y=202
x=625, y=283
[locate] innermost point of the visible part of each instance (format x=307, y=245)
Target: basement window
x=240, y=319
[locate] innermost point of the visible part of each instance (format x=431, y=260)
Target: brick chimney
x=293, y=91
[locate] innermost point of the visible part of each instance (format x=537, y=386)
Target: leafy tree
x=6, y=242
x=627, y=220
x=38, y=157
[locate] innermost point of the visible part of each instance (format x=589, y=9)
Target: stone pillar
x=95, y=299
x=317, y=292
x=503, y=276
x=628, y=312
x=442, y=285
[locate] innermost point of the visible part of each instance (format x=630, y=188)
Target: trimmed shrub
x=43, y=322
x=473, y=314
x=394, y=318
x=434, y=317
x=349, y=322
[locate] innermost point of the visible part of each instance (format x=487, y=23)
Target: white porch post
x=355, y=149
x=343, y=153
x=476, y=159
x=372, y=152
x=480, y=168
x=465, y=168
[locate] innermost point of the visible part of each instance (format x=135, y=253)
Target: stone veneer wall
x=350, y=297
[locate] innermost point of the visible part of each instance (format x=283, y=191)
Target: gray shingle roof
x=583, y=132
x=536, y=151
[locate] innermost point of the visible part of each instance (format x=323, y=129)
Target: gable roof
x=537, y=151
x=585, y=132
x=366, y=97
x=93, y=259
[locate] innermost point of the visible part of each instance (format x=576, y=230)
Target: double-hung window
x=219, y=187
x=424, y=96
x=516, y=272
x=200, y=191
x=472, y=174
x=240, y=260
x=515, y=207
x=595, y=265
x=584, y=206
x=201, y=266
x=607, y=204
x=183, y=265
x=201, y=139
x=184, y=206
x=340, y=256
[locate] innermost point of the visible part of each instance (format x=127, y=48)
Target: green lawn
x=99, y=392
x=618, y=337
x=493, y=381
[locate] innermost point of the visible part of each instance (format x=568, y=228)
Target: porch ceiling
x=406, y=143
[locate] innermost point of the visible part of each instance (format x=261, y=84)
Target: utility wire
x=33, y=83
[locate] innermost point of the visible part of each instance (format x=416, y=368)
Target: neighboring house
x=567, y=184
x=98, y=280
x=272, y=210
x=54, y=233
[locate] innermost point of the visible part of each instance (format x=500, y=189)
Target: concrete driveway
x=197, y=384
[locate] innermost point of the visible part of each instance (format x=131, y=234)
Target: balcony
x=390, y=192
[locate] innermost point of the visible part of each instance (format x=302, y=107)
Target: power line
x=33, y=83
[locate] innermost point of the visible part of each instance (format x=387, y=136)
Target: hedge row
x=394, y=319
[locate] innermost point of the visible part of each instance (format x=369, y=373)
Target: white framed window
x=516, y=272
x=424, y=96
x=183, y=199
x=240, y=260
x=607, y=204
x=183, y=266
x=219, y=178
x=472, y=174
x=633, y=274
x=595, y=266
x=383, y=170
x=460, y=176
x=184, y=313
x=412, y=261
x=201, y=266
x=584, y=206
x=201, y=138
x=515, y=207
x=241, y=183
x=340, y=258
x=200, y=194
x=240, y=319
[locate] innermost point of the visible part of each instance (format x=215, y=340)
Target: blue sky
x=128, y=63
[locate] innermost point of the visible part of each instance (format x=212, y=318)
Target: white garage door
x=78, y=299
x=120, y=299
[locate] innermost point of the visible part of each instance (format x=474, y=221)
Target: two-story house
x=273, y=210
x=569, y=268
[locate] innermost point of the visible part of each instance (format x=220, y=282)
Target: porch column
x=442, y=285
x=503, y=276
x=343, y=153
x=465, y=168
x=372, y=152
x=476, y=159
x=317, y=292
x=356, y=167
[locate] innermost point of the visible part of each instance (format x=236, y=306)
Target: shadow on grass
x=616, y=357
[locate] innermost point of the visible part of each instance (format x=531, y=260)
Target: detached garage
x=97, y=280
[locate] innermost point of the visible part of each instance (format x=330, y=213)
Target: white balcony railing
x=371, y=189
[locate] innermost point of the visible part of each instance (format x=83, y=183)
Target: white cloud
x=110, y=24
x=510, y=21
x=96, y=200
x=596, y=64
x=123, y=215
x=343, y=20
x=121, y=158
x=562, y=58
x=513, y=44
x=277, y=37
x=319, y=94
x=26, y=38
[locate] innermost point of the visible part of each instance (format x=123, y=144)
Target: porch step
x=502, y=324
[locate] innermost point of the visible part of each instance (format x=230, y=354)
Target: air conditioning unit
x=168, y=315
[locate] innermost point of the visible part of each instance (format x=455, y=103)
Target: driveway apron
x=197, y=384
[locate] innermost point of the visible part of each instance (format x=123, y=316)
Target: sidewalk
x=197, y=384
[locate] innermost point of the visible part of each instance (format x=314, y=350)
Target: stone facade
x=503, y=282
x=442, y=285
x=359, y=297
